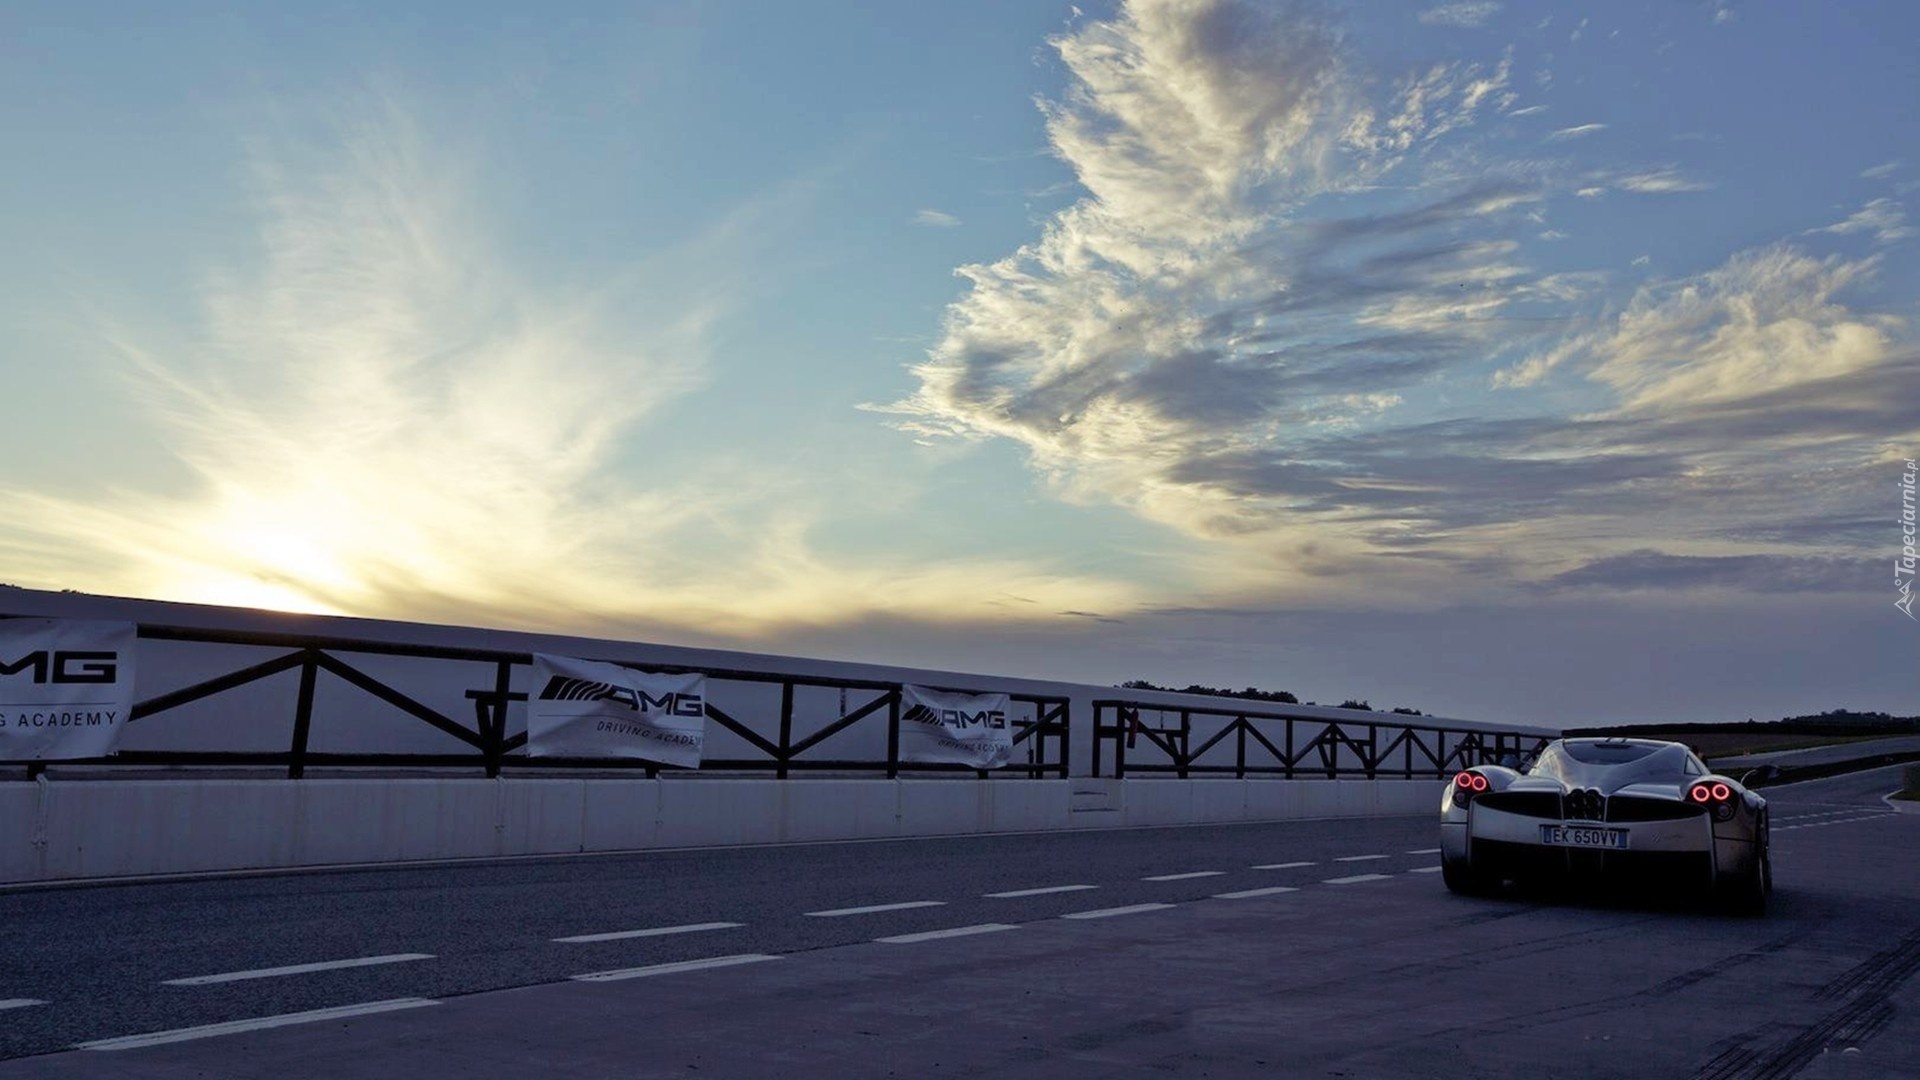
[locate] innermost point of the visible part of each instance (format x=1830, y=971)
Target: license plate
x=1583, y=836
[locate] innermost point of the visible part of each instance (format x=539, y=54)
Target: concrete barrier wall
x=93, y=829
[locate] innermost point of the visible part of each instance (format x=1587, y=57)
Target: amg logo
x=672, y=703
x=958, y=719
x=66, y=667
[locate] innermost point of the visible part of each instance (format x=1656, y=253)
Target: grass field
x=1717, y=744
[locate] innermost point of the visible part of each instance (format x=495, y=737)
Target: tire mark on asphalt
x=1869, y=983
x=1879, y=974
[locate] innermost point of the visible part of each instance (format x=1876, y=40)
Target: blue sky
x=1498, y=359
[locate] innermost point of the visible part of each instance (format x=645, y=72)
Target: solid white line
x=1282, y=865
x=1107, y=913
x=233, y=1027
x=49, y=884
x=1424, y=870
x=1038, y=892
x=1248, y=894
x=935, y=935
x=1425, y=851
x=1184, y=877
x=297, y=969
x=837, y=912
x=1355, y=878
x=675, y=968
x=1359, y=858
x=20, y=1003
x=658, y=931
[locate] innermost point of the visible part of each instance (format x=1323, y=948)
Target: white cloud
x=938, y=219
x=1643, y=260
x=1528, y=111
x=1662, y=181
x=1269, y=335
x=1466, y=14
x=1880, y=171
x=1576, y=132
x=1884, y=218
x=384, y=417
x=1766, y=320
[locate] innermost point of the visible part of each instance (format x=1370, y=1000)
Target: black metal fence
x=1041, y=724
x=1245, y=742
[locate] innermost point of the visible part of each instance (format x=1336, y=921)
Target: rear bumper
x=1507, y=845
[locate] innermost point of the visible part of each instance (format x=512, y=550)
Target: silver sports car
x=1607, y=810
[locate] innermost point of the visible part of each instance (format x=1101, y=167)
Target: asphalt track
x=1324, y=948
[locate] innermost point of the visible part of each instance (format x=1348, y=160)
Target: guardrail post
x=495, y=735
x=1289, y=761
x=893, y=734
x=1099, y=736
x=786, y=728
x=1240, y=752
x=1373, y=751
x=302, y=716
x=1186, y=723
x=1066, y=732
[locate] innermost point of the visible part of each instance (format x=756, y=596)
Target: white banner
x=963, y=729
x=66, y=687
x=584, y=708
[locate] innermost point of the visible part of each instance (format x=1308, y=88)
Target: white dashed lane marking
x=874, y=908
x=233, y=1027
x=1359, y=858
x=675, y=968
x=297, y=969
x=936, y=935
x=1248, y=894
x=657, y=931
x=1425, y=851
x=1837, y=821
x=1108, y=913
x=1354, y=880
x=1185, y=877
x=1038, y=892
x=1281, y=865
x=1424, y=870
x=19, y=1003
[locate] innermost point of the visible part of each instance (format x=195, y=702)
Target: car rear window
x=1600, y=753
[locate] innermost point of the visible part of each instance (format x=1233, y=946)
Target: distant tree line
x=1252, y=693
x=1831, y=722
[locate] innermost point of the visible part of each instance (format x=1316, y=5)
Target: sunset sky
x=1505, y=360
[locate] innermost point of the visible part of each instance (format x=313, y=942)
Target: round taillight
x=1721, y=793
x=1479, y=783
x=1463, y=781
x=1701, y=793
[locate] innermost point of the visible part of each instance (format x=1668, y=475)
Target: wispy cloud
x=1666, y=180
x=1576, y=132
x=1884, y=218
x=1220, y=337
x=383, y=417
x=1880, y=171
x=938, y=219
x=1466, y=14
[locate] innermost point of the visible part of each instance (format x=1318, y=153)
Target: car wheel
x=1461, y=878
x=1749, y=894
